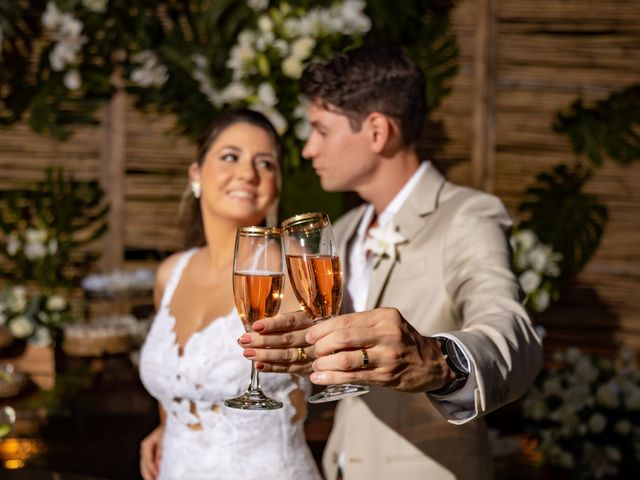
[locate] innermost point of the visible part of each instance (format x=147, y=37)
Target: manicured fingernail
x=317, y=377
x=249, y=352
x=309, y=338
x=260, y=366
x=245, y=339
x=258, y=327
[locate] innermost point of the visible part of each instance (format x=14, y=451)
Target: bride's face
x=240, y=175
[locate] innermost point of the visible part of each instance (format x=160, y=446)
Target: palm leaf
x=571, y=221
x=608, y=129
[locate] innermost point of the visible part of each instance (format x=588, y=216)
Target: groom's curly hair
x=370, y=79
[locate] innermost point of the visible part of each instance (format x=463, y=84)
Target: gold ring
x=302, y=355
x=365, y=359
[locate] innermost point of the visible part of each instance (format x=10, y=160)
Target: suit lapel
x=422, y=201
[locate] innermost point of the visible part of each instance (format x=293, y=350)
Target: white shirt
x=459, y=404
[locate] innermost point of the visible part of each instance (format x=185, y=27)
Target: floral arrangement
x=38, y=318
x=537, y=267
x=584, y=414
x=196, y=58
x=43, y=227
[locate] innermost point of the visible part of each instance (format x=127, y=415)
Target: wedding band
x=302, y=355
x=365, y=359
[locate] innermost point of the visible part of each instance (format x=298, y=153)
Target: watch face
x=457, y=357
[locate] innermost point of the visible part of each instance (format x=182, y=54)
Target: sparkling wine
x=317, y=283
x=257, y=295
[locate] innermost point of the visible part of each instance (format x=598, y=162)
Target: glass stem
x=255, y=379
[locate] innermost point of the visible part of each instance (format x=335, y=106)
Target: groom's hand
x=278, y=344
x=397, y=356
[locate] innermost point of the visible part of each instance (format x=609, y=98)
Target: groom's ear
x=382, y=132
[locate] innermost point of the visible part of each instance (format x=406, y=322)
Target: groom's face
x=342, y=158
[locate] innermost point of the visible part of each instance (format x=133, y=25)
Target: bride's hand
x=277, y=344
x=151, y=453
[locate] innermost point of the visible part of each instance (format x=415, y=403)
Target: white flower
x=17, y=300
x=529, y=281
x=354, y=20
x=35, y=251
x=72, y=79
x=525, y=239
x=56, y=303
x=265, y=24
x=632, y=398
x=33, y=235
x=21, y=327
x=13, y=244
x=52, y=17
x=281, y=46
x=292, y=67
x=151, y=72
x=258, y=5
x=302, y=47
x=302, y=130
x=538, y=257
x=97, y=6
x=552, y=386
x=597, y=423
x=541, y=301
x=274, y=116
x=383, y=242
x=585, y=370
x=235, y=92
x=267, y=95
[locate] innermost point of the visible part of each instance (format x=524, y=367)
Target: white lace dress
x=203, y=439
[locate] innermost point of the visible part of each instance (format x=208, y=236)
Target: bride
x=191, y=361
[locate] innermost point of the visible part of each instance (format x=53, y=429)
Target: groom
x=439, y=332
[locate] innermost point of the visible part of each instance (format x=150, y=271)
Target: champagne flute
x=258, y=280
x=316, y=277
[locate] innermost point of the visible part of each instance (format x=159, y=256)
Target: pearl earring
x=195, y=188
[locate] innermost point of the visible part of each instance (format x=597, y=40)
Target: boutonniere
x=383, y=242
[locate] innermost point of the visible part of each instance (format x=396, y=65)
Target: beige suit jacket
x=453, y=275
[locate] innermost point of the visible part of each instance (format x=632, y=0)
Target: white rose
x=265, y=24
x=264, y=40
x=526, y=239
x=586, y=371
x=281, y=46
x=70, y=27
x=597, y=423
x=41, y=337
x=72, y=79
x=529, y=281
x=302, y=130
x=538, y=258
x=17, y=300
x=292, y=67
x=302, y=47
x=56, y=303
x=21, y=327
x=35, y=235
x=541, y=301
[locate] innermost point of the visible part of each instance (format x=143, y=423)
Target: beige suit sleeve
x=505, y=350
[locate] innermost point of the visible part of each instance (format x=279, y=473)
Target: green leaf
x=571, y=221
x=608, y=129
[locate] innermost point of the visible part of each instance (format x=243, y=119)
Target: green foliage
x=609, y=129
x=43, y=226
x=565, y=217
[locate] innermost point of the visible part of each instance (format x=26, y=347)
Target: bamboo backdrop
x=520, y=62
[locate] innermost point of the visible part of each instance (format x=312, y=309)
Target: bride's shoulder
x=163, y=273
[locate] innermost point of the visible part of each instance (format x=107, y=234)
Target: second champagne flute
x=316, y=277
x=258, y=279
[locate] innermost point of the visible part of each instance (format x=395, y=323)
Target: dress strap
x=176, y=273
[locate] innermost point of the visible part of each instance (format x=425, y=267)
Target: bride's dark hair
x=191, y=213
